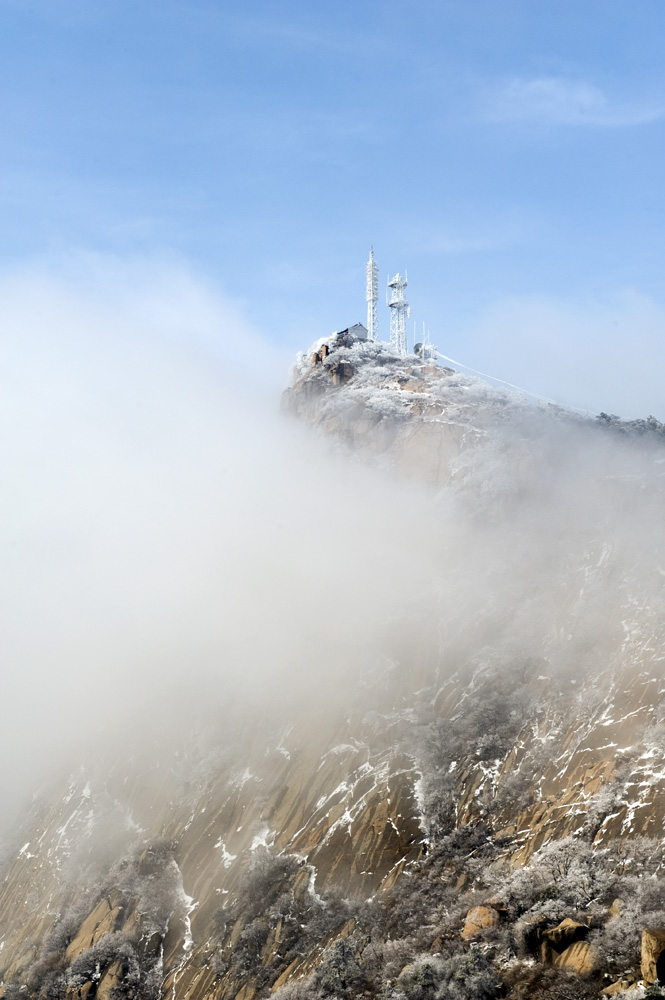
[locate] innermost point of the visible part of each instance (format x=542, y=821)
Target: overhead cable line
x=544, y=399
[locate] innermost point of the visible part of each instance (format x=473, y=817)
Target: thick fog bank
x=172, y=545
x=169, y=542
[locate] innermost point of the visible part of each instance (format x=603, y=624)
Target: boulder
x=88, y=989
x=653, y=954
x=556, y=940
x=565, y=933
x=477, y=919
x=619, y=987
x=579, y=957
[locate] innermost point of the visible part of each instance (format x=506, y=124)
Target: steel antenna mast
x=372, y=296
x=399, y=311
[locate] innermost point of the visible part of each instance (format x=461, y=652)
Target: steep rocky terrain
x=480, y=812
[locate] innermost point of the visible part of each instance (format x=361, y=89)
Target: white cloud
x=561, y=101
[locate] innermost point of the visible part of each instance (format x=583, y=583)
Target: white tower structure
x=399, y=311
x=372, y=296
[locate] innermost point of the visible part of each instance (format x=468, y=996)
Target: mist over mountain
x=359, y=698
x=163, y=527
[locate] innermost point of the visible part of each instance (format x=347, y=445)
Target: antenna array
x=372, y=296
x=399, y=310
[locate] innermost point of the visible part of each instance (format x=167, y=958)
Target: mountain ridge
x=507, y=727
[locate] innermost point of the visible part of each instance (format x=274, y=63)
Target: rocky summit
x=477, y=812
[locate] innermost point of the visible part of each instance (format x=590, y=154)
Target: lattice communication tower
x=372, y=296
x=399, y=311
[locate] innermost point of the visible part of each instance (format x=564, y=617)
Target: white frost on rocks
x=264, y=838
x=227, y=859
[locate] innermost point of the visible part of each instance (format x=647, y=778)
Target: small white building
x=358, y=331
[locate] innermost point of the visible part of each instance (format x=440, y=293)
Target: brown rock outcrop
x=104, y=919
x=579, y=957
x=477, y=919
x=110, y=981
x=614, y=988
x=564, y=946
x=653, y=954
x=82, y=992
x=565, y=933
x=341, y=372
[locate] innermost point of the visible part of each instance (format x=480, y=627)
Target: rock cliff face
x=476, y=806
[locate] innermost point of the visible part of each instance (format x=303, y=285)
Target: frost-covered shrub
x=563, y=875
x=265, y=879
x=14, y=991
x=471, y=976
x=140, y=976
x=618, y=940
x=466, y=976
x=514, y=793
x=320, y=917
x=297, y=989
x=395, y=955
x=605, y=802
x=92, y=963
x=340, y=973
x=484, y=730
x=270, y=895
x=637, y=857
x=48, y=976
x=429, y=901
x=422, y=979
x=150, y=882
x=551, y=984
x=247, y=952
x=67, y=925
x=651, y=425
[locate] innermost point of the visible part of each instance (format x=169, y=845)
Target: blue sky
x=507, y=153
